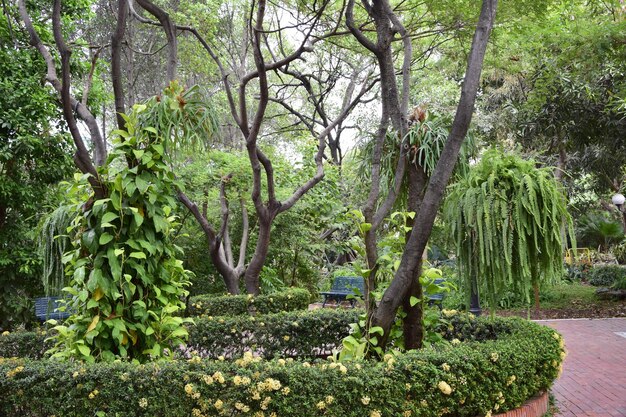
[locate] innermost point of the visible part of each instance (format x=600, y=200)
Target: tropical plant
x=599, y=229
x=126, y=280
x=507, y=218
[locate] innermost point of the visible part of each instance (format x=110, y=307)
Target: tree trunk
x=400, y=286
x=536, y=291
x=253, y=271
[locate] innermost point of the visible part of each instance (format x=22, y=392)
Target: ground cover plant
x=487, y=365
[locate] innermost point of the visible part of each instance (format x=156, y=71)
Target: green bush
x=297, y=333
x=302, y=334
x=606, y=275
x=237, y=305
x=453, y=379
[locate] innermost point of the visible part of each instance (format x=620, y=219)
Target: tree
x=33, y=157
x=424, y=195
x=506, y=217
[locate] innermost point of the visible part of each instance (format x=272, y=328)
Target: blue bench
x=343, y=287
x=46, y=308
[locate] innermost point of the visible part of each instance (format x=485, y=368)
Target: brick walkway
x=594, y=374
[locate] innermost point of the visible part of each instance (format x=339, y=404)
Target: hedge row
x=455, y=379
x=298, y=333
x=237, y=305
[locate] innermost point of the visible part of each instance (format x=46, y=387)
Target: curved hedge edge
x=236, y=305
x=537, y=406
x=464, y=379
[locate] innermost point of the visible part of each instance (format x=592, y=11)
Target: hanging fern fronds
x=183, y=118
x=426, y=139
x=506, y=217
x=53, y=243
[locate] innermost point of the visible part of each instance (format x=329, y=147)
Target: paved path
x=594, y=374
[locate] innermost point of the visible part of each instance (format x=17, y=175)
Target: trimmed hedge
x=454, y=379
x=294, y=334
x=298, y=333
x=237, y=305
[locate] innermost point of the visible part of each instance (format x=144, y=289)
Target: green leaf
x=138, y=255
x=84, y=350
x=109, y=217
x=105, y=238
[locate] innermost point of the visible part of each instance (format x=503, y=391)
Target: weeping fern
x=53, y=243
x=506, y=217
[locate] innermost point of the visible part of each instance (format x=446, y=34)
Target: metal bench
x=343, y=287
x=46, y=308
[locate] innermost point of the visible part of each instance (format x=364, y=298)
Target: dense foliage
x=606, y=275
x=461, y=379
x=34, y=155
x=235, y=305
x=508, y=218
x=126, y=280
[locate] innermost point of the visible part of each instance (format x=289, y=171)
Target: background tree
x=34, y=151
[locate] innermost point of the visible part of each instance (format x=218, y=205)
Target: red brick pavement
x=594, y=374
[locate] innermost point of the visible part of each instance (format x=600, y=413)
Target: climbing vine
x=125, y=277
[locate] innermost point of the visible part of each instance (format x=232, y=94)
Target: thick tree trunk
x=413, y=322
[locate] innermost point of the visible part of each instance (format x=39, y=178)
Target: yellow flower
x=343, y=369
x=5, y=333
x=286, y=391
x=282, y=362
x=220, y=358
x=13, y=372
x=407, y=413
x=217, y=376
x=321, y=405
x=330, y=399
x=563, y=355
x=455, y=342
x=196, y=412
x=448, y=313
x=375, y=413
x=75, y=374
x=365, y=400
x=445, y=367
x=265, y=403
x=207, y=379
x=143, y=402
x=494, y=356
x=444, y=387
x=424, y=403
x=189, y=389
x=511, y=380
x=488, y=414
x=237, y=380
x=306, y=364
x=256, y=395
x=218, y=404
x=93, y=394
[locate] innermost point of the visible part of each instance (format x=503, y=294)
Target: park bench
x=46, y=308
x=343, y=287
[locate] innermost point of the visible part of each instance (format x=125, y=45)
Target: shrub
x=463, y=379
x=303, y=333
x=22, y=344
x=606, y=275
x=237, y=305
